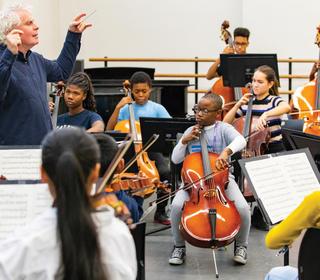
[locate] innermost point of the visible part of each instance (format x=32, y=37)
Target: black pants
x=162, y=165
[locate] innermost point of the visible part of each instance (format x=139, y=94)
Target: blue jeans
x=282, y=273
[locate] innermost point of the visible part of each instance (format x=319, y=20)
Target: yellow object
x=306, y=215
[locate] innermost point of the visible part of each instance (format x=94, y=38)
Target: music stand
x=299, y=140
x=167, y=128
x=237, y=69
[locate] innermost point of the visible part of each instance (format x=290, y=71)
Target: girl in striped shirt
x=267, y=105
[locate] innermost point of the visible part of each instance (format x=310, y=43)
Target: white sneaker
x=177, y=255
x=240, y=255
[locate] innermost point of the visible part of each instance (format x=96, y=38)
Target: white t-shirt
x=33, y=252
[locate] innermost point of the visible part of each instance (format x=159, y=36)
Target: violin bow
x=149, y=143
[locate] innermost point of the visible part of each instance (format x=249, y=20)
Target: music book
x=20, y=163
x=280, y=181
x=20, y=204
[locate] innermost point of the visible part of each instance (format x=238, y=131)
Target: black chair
x=138, y=234
x=309, y=255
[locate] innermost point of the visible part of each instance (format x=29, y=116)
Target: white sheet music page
x=281, y=182
x=20, y=204
x=20, y=164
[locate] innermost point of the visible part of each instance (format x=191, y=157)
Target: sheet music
x=20, y=204
x=20, y=164
x=281, y=182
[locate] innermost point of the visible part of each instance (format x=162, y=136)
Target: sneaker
x=240, y=255
x=162, y=218
x=177, y=256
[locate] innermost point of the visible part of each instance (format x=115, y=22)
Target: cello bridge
x=210, y=194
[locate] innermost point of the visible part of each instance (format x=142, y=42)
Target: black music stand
x=168, y=130
x=295, y=139
x=237, y=69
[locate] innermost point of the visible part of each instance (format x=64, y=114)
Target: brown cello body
x=205, y=196
x=257, y=145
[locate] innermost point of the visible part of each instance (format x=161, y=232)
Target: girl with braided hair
x=79, y=99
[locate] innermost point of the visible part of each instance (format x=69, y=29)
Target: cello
x=146, y=166
x=209, y=219
x=306, y=100
x=257, y=141
x=229, y=95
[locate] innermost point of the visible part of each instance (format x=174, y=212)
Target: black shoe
x=258, y=221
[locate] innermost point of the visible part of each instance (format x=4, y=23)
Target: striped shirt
x=264, y=105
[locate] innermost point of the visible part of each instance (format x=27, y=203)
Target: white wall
x=179, y=28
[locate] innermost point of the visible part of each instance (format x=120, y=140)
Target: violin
x=229, y=95
x=137, y=184
x=102, y=199
x=306, y=100
x=145, y=165
x=209, y=219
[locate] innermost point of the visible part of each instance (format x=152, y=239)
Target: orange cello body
x=257, y=145
x=304, y=100
x=205, y=195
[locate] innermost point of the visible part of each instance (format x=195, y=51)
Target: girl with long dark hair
x=71, y=240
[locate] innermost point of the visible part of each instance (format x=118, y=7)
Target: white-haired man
x=25, y=117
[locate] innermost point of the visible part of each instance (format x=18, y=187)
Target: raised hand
x=13, y=40
x=78, y=25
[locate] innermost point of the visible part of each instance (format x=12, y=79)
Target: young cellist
x=223, y=140
x=270, y=108
x=141, y=86
x=71, y=240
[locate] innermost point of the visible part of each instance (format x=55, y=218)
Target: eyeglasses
x=204, y=111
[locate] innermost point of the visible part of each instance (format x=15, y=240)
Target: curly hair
x=83, y=81
x=9, y=19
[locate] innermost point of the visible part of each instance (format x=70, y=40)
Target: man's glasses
x=204, y=111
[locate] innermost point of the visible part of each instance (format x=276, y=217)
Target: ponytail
x=69, y=168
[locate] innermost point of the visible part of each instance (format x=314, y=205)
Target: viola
x=229, y=95
x=209, y=219
x=306, y=100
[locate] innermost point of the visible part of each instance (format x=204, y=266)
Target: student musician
x=108, y=148
x=306, y=215
x=70, y=240
x=270, y=108
x=141, y=86
x=222, y=139
x=79, y=99
x=240, y=45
